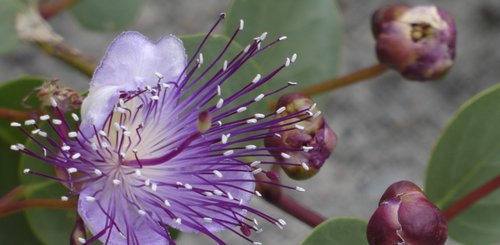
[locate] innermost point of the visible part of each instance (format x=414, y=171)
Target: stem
x=469, y=199
x=14, y=115
x=49, y=10
x=11, y=195
x=352, y=78
x=69, y=55
x=35, y=203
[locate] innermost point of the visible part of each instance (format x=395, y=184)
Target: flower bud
x=406, y=216
x=310, y=143
x=52, y=92
x=417, y=41
x=204, y=121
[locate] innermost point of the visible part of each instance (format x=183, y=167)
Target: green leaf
x=339, y=231
x=467, y=155
x=12, y=94
x=8, y=11
x=51, y=226
x=313, y=29
x=14, y=228
x=108, y=15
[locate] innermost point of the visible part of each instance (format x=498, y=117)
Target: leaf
x=312, y=27
x=466, y=155
x=8, y=32
x=109, y=15
x=51, y=226
x=339, y=231
x=14, y=228
x=12, y=94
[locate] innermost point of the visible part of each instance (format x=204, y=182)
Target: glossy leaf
x=312, y=28
x=339, y=231
x=467, y=155
x=108, y=15
x=8, y=11
x=12, y=94
x=14, y=228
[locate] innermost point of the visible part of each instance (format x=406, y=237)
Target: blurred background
x=386, y=126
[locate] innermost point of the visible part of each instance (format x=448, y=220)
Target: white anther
x=294, y=58
x=117, y=182
x=156, y=97
x=14, y=147
x=280, y=110
x=35, y=131
x=26, y=170
x=76, y=156
x=138, y=172
x=72, y=134
x=256, y=78
x=75, y=117
x=42, y=133
x=127, y=133
x=300, y=127
x=123, y=154
x=258, y=193
x=15, y=124
x=312, y=107
x=246, y=48
x=292, y=83
x=284, y=155
x=141, y=212
x=259, y=115
x=219, y=103
x=29, y=122
x=240, y=202
x=257, y=243
x=310, y=113
x=53, y=102
x=228, y=152
x=218, y=193
x=219, y=123
x=208, y=220
x=44, y=117
x=97, y=172
x=317, y=114
x=217, y=173
x=167, y=203
x=121, y=110
x=121, y=102
x=102, y=133
x=305, y=166
x=56, y=121
x=208, y=194
x=277, y=135
x=251, y=147
x=263, y=36
x=279, y=225
x=82, y=240
x=224, y=138
x=178, y=221
x=229, y=195
x=282, y=38
x=241, y=109
x=257, y=171
x=219, y=90
x=20, y=146
x=64, y=198
x=90, y=198
x=188, y=186
x=147, y=182
x=72, y=170
x=251, y=121
x=255, y=221
x=242, y=24
x=259, y=97
x=200, y=59
x=287, y=62
x=104, y=145
x=307, y=148
x=255, y=163
x=282, y=222
x=159, y=75
x=300, y=189
x=179, y=183
x=224, y=66
x=44, y=152
x=154, y=187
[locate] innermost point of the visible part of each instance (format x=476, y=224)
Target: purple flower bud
x=417, y=41
x=406, y=216
x=307, y=144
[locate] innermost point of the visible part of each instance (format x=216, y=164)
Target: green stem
x=471, y=198
x=352, y=78
x=69, y=55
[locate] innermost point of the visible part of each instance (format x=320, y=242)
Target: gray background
x=386, y=127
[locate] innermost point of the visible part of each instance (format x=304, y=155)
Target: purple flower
x=142, y=158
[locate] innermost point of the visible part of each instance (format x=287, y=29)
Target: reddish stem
x=49, y=10
x=13, y=115
x=13, y=194
x=291, y=206
x=34, y=203
x=471, y=198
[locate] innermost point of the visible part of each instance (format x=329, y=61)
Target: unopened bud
x=204, y=121
x=417, y=41
x=312, y=140
x=406, y=216
x=53, y=93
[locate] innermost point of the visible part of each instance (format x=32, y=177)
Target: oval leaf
x=312, y=28
x=466, y=156
x=108, y=15
x=339, y=231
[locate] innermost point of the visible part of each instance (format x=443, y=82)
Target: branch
x=18, y=206
x=15, y=115
x=69, y=55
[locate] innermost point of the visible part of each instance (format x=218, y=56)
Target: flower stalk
x=49, y=10
x=13, y=115
x=355, y=77
x=69, y=55
x=471, y=198
x=18, y=206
